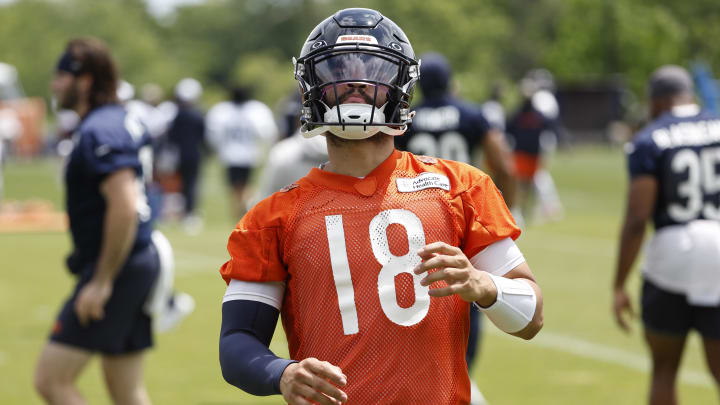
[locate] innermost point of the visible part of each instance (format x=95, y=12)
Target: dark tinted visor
x=356, y=66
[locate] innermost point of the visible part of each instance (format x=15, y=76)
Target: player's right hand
x=312, y=381
x=622, y=304
x=91, y=300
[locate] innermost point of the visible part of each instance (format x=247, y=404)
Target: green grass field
x=579, y=358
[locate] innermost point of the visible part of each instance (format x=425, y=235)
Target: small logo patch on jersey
x=429, y=160
x=102, y=150
x=369, y=39
x=423, y=181
x=288, y=188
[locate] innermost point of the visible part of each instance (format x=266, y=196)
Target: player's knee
x=44, y=385
x=135, y=395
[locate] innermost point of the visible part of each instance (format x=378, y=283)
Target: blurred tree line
x=251, y=41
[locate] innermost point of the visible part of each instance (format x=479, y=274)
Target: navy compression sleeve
x=245, y=359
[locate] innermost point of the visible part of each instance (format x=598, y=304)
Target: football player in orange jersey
x=375, y=258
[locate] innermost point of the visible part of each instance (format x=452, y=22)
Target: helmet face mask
x=356, y=74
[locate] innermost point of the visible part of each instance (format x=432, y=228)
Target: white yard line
x=607, y=354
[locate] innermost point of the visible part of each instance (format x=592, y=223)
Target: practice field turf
x=580, y=357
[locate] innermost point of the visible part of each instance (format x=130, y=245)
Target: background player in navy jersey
x=113, y=258
x=535, y=131
x=186, y=134
x=674, y=181
x=449, y=128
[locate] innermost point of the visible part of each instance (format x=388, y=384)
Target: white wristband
x=515, y=305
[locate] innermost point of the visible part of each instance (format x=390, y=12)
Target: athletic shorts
x=526, y=165
x=238, y=175
x=126, y=327
x=669, y=313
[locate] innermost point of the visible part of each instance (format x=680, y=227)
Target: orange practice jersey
x=346, y=248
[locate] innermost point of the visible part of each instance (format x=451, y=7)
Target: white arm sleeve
x=270, y=293
x=515, y=305
x=498, y=258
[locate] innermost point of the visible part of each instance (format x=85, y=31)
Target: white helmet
x=188, y=90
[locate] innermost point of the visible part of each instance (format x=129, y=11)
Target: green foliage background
x=487, y=41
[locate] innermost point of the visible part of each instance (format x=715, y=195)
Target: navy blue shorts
x=126, y=327
x=670, y=314
x=238, y=175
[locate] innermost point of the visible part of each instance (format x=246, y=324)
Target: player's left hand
x=453, y=267
x=622, y=305
x=90, y=301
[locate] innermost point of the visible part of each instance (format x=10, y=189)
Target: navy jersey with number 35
x=446, y=128
x=108, y=140
x=681, y=149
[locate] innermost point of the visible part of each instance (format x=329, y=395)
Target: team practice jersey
x=346, y=248
x=238, y=131
x=445, y=128
x=681, y=149
x=106, y=141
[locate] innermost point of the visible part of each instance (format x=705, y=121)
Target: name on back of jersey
x=695, y=133
x=437, y=119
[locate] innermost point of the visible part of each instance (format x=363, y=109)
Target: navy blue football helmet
x=356, y=72
x=436, y=73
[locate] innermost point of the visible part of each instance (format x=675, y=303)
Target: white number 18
x=391, y=267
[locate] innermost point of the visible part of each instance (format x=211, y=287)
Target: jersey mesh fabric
x=386, y=362
x=383, y=361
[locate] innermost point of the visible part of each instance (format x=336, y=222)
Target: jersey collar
x=366, y=186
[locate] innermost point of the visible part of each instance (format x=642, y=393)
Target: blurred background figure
x=10, y=128
x=156, y=125
x=449, y=128
x=145, y=110
x=114, y=261
x=22, y=118
x=239, y=130
x=186, y=134
x=493, y=109
x=291, y=158
x=289, y=115
x=707, y=86
x=10, y=125
x=534, y=132
x=160, y=112
x=167, y=306
x=672, y=165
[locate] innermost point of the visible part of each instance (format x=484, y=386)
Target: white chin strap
x=354, y=114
